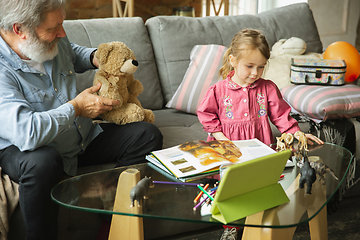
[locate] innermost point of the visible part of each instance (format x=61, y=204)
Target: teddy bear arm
x=108, y=90
x=133, y=99
x=104, y=84
x=113, y=80
x=99, y=78
x=135, y=87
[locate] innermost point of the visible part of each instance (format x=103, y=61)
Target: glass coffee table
x=109, y=192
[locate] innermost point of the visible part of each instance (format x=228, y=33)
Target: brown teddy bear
x=117, y=63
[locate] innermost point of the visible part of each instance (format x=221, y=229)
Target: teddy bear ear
x=103, y=52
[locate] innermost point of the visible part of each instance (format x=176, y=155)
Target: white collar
x=37, y=66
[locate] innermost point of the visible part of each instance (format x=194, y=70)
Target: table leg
x=318, y=226
x=251, y=233
x=126, y=227
x=268, y=233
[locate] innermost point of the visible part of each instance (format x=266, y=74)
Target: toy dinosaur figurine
x=288, y=139
x=285, y=141
x=321, y=169
x=308, y=175
x=302, y=145
x=280, y=144
x=139, y=191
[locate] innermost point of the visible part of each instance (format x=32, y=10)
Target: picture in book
x=196, y=157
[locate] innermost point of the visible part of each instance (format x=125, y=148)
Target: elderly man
x=46, y=127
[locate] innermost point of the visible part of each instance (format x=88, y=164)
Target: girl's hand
x=219, y=136
x=310, y=137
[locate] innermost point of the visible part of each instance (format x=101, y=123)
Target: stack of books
x=199, y=158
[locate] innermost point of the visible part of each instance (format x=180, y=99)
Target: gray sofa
x=162, y=46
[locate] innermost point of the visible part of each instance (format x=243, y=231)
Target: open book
x=199, y=157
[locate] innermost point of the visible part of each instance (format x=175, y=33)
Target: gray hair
x=29, y=13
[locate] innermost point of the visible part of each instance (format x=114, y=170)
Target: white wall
x=336, y=20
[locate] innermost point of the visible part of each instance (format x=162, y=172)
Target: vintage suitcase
x=318, y=71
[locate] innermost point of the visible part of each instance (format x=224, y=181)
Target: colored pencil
x=200, y=193
x=204, y=191
x=200, y=203
x=208, y=201
x=176, y=183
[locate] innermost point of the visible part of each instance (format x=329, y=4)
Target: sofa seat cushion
x=178, y=127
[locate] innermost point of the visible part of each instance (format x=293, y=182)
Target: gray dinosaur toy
x=308, y=175
x=321, y=169
x=140, y=190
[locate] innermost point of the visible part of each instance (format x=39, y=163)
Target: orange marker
x=200, y=193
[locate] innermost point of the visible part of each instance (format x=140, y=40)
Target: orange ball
x=345, y=51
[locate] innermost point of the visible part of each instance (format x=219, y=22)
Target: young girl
x=240, y=106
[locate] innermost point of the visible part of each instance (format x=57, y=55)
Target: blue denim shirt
x=33, y=106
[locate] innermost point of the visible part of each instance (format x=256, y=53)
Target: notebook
x=250, y=187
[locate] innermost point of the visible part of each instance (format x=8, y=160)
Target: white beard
x=38, y=50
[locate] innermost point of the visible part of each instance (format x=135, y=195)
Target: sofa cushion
x=323, y=102
x=133, y=33
x=203, y=71
x=173, y=37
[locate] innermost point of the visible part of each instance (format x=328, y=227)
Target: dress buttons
x=55, y=89
x=79, y=126
x=245, y=100
x=245, y=114
x=71, y=72
x=244, y=89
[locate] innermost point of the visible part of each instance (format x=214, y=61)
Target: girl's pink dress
x=243, y=113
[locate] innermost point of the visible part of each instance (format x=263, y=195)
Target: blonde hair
x=246, y=39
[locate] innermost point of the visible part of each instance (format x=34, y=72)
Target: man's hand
x=89, y=105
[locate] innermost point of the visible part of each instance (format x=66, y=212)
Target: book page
x=190, y=158
x=227, y=148
x=253, y=148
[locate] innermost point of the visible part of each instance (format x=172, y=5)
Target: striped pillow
x=203, y=71
x=322, y=102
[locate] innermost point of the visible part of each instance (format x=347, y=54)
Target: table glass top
x=95, y=192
